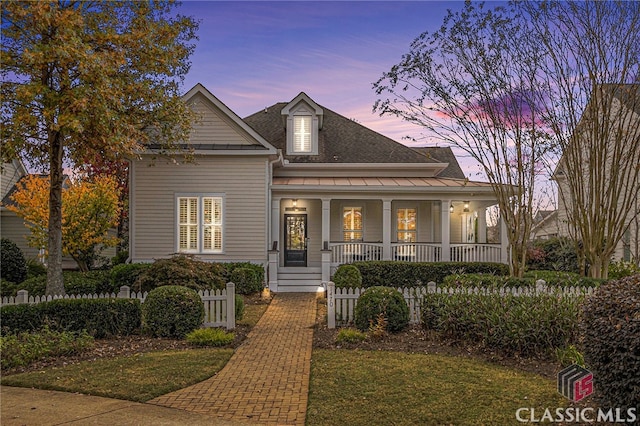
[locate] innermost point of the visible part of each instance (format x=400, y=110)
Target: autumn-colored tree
x=89, y=211
x=90, y=79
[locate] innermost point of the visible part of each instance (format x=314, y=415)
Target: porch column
x=386, y=229
x=504, y=242
x=326, y=237
x=445, y=222
x=274, y=235
x=482, y=226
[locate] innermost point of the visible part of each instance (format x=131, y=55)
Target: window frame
x=353, y=230
x=200, y=223
x=298, y=136
x=406, y=231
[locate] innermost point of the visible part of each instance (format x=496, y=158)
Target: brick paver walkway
x=266, y=381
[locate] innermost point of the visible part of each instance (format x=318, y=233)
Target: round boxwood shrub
x=347, y=276
x=610, y=327
x=382, y=300
x=172, y=311
x=14, y=266
x=246, y=281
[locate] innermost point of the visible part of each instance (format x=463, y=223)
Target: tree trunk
x=54, y=270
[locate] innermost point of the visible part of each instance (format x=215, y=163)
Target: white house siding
x=11, y=173
x=215, y=127
x=241, y=180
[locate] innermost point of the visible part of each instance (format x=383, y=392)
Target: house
x=302, y=189
x=12, y=227
x=545, y=225
x=621, y=156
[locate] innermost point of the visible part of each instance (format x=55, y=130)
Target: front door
x=295, y=240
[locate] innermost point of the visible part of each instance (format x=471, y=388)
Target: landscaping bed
x=415, y=339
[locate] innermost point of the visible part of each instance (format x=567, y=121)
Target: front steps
x=299, y=280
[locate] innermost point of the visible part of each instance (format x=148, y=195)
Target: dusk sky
x=253, y=54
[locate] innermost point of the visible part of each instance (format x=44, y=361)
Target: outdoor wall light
x=451, y=208
x=466, y=206
x=295, y=202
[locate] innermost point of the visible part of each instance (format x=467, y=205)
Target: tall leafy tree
x=471, y=86
x=90, y=79
x=90, y=210
x=592, y=75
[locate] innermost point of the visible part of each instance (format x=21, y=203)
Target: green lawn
x=137, y=378
x=392, y=388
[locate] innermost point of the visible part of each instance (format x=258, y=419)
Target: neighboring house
x=12, y=227
x=302, y=189
x=625, y=112
x=545, y=225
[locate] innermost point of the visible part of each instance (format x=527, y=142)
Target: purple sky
x=253, y=54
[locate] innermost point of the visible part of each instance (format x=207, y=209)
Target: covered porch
x=313, y=233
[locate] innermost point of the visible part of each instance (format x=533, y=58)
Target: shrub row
x=409, y=274
x=179, y=270
x=512, y=324
x=99, y=317
x=24, y=348
x=610, y=327
x=551, y=278
x=381, y=304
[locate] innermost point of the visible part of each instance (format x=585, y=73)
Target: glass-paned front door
x=295, y=240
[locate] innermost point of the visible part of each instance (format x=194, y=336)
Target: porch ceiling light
x=295, y=202
x=466, y=206
x=451, y=208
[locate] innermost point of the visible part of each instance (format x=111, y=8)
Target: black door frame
x=295, y=257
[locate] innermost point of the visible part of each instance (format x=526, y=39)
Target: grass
x=366, y=387
x=252, y=314
x=136, y=378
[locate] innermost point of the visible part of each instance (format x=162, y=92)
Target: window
x=352, y=224
x=302, y=133
x=200, y=224
x=406, y=225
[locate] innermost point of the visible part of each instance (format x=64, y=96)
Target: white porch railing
x=355, y=252
x=413, y=252
x=475, y=252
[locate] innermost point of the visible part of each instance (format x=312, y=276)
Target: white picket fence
x=341, y=302
x=219, y=305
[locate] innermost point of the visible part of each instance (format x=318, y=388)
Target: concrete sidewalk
x=265, y=382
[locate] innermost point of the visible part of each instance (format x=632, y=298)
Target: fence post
x=124, y=293
x=231, y=306
x=431, y=287
x=22, y=297
x=331, y=304
x=541, y=286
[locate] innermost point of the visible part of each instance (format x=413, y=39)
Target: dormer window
x=302, y=133
x=303, y=120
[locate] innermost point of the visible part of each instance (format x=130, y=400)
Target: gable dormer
x=303, y=121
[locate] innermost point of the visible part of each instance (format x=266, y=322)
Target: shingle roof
x=341, y=140
x=443, y=155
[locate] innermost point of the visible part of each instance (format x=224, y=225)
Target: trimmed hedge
x=127, y=274
x=610, y=327
x=551, y=278
x=99, y=317
x=246, y=281
x=347, y=276
x=172, y=311
x=410, y=274
x=75, y=282
x=383, y=301
x=528, y=325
